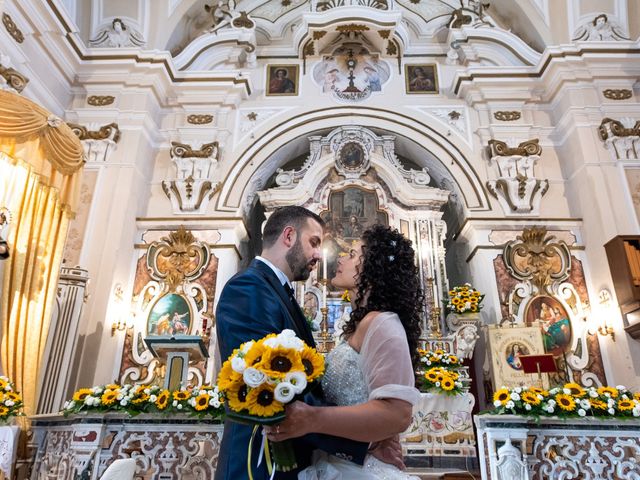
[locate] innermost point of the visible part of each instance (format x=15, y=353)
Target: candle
x=324, y=294
x=324, y=264
x=302, y=297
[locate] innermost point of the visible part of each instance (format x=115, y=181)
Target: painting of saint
x=352, y=155
x=282, y=80
x=513, y=353
x=170, y=315
x=421, y=78
x=554, y=321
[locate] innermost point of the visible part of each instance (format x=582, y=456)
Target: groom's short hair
x=286, y=216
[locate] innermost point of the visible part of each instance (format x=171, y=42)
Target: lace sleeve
x=386, y=361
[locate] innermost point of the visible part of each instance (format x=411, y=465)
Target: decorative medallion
x=537, y=258
x=14, y=79
x=12, y=28
x=100, y=100
x=177, y=258
x=243, y=21
x=199, y=119
x=617, y=94
x=505, y=116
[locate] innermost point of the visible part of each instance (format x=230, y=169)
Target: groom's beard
x=297, y=262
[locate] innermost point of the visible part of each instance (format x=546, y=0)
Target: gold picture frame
x=421, y=78
x=282, y=80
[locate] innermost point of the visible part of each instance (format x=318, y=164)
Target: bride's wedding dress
x=382, y=369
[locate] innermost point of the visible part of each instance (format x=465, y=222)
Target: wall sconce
x=118, y=324
x=605, y=303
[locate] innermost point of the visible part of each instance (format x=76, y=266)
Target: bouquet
x=440, y=373
x=260, y=378
x=199, y=401
x=570, y=400
x=10, y=400
x=464, y=299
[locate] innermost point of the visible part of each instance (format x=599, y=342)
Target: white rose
x=120, y=396
x=581, y=412
x=510, y=404
x=515, y=396
x=147, y=391
x=497, y=403
x=175, y=403
x=611, y=411
x=9, y=403
x=298, y=380
x=566, y=391
x=152, y=398
x=527, y=406
x=238, y=364
x=552, y=403
x=636, y=412
x=284, y=392
x=216, y=403
x=123, y=402
x=192, y=402
x=550, y=410
x=593, y=393
x=253, y=377
x=621, y=387
x=247, y=346
x=179, y=406
x=585, y=404
x=518, y=389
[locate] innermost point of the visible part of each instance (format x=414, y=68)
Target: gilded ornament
x=252, y=116
x=453, y=115
x=199, y=119
x=505, y=116
x=500, y=148
x=110, y=131
x=617, y=94
x=352, y=28
x=384, y=34
x=617, y=129
x=12, y=28
x=100, y=100
x=14, y=79
x=391, y=48
x=318, y=34
x=534, y=256
x=285, y=3
x=309, y=49
x=183, y=150
x=243, y=21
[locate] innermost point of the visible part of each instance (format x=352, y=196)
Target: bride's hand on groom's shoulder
x=299, y=422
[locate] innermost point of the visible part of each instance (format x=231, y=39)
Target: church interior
x=144, y=143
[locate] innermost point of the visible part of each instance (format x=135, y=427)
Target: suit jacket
x=252, y=305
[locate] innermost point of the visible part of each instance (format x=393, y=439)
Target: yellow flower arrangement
x=136, y=399
x=438, y=372
x=569, y=400
x=261, y=377
x=10, y=400
x=464, y=299
x=345, y=297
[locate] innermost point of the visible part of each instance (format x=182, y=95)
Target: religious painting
x=404, y=228
x=351, y=77
x=351, y=211
x=352, y=156
x=170, y=315
x=282, y=80
x=311, y=306
x=506, y=346
x=421, y=78
x=554, y=323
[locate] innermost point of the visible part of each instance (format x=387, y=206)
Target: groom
x=259, y=301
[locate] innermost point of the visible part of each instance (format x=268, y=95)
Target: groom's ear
x=289, y=235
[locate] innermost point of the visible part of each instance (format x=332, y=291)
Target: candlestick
x=324, y=293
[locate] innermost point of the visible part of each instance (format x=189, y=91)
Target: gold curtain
x=40, y=169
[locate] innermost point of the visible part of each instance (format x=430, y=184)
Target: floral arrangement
x=345, y=297
x=135, y=399
x=464, y=299
x=261, y=377
x=571, y=400
x=10, y=400
x=440, y=373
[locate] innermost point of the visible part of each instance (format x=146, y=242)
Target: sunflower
x=637, y=396
x=202, y=402
x=238, y=397
x=13, y=397
x=3, y=410
x=431, y=375
x=181, y=395
x=313, y=363
x=613, y=392
x=447, y=384
x=255, y=354
x=109, y=397
x=625, y=405
x=263, y=401
x=81, y=394
x=597, y=404
x=539, y=391
x=162, y=400
x=141, y=399
x=112, y=386
x=453, y=359
x=566, y=402
x=3, y=383
x=277, y=362
x=530, y=398
x=576, y=390
x=228, y=377
x=456, y=301
x=501, y=396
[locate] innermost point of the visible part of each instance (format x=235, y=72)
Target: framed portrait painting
x=421, y=78
x=282, y=80
x=170, y=315
x=554, y=322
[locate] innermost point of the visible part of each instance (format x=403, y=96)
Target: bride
x=369, y=376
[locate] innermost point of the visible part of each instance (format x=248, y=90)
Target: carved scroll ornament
x=500, y=148
x=617, y=93
x=610, y=127
x=536, y=258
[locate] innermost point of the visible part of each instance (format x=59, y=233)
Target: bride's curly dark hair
x=388, y=281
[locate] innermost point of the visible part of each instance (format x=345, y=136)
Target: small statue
x=599, y=30
x=221, y=13
x=118, y=35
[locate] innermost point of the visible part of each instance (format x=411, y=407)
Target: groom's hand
x=297, y=423
x=389, y=451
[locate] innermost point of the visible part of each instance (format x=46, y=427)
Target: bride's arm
x=372, y=421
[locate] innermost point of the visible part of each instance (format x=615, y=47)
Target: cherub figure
x=118, y=35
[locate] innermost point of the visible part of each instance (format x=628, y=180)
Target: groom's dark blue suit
x=252, y=305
